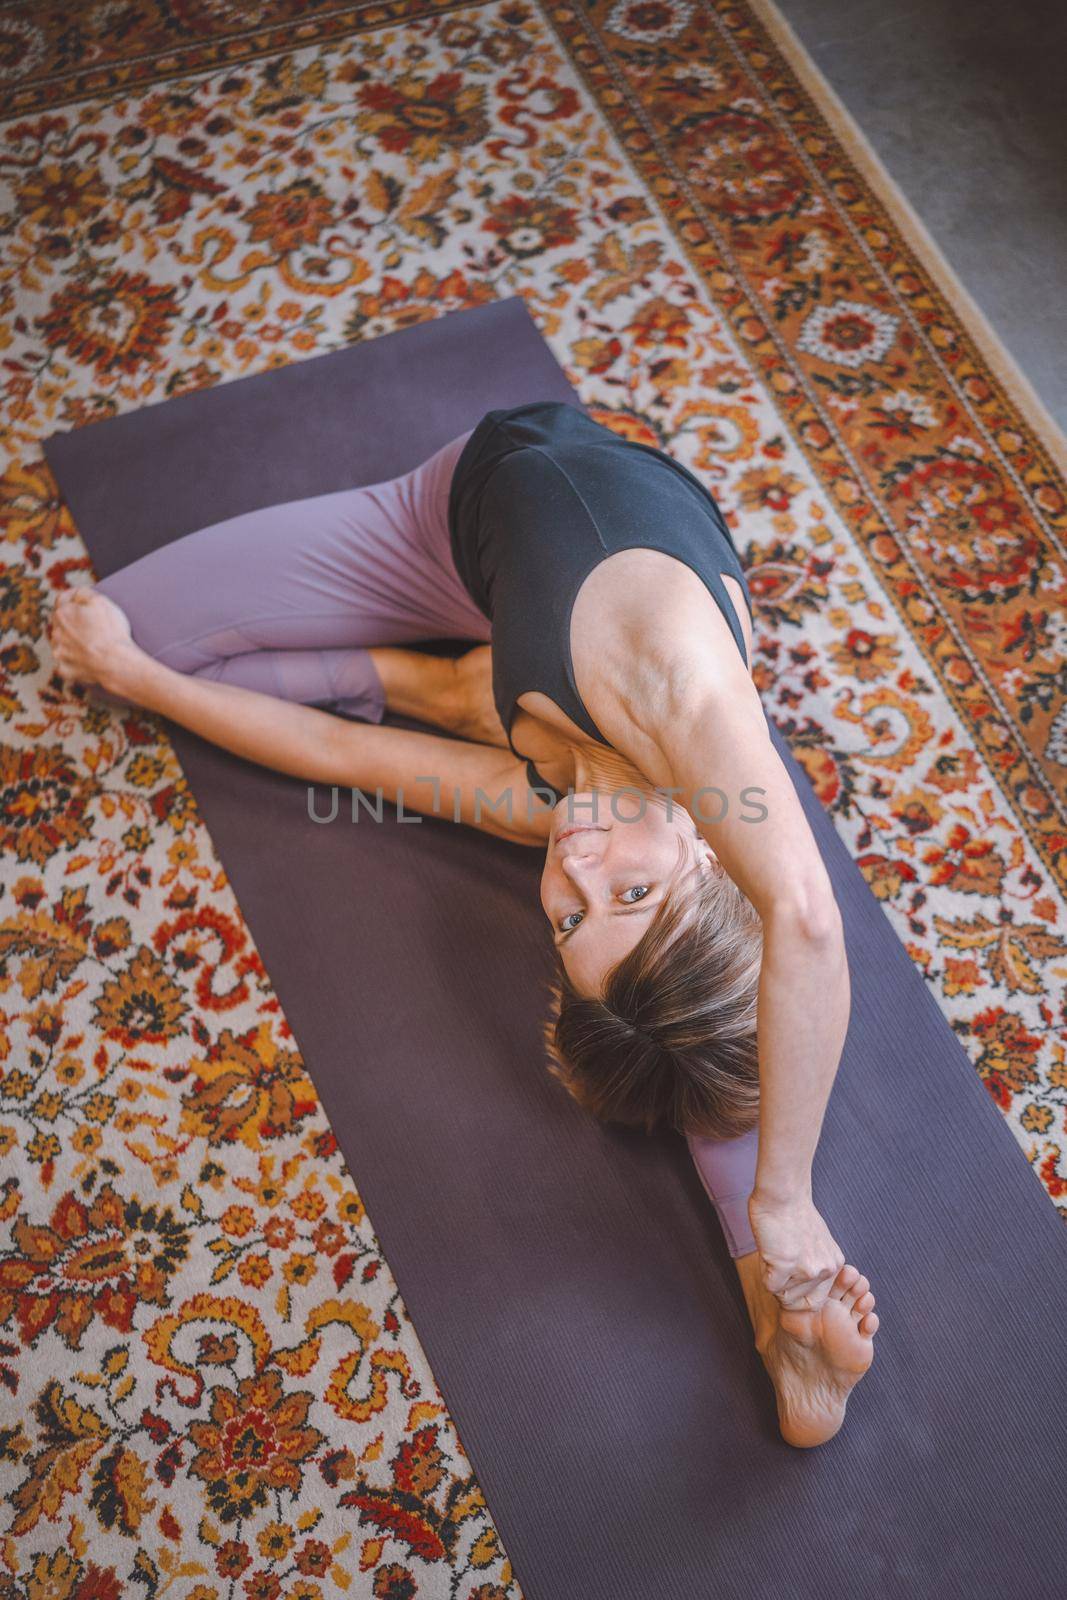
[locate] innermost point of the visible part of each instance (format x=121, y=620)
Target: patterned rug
x=211, y=1385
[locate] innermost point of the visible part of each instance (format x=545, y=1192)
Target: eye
x=638, y=891
x=566, y=925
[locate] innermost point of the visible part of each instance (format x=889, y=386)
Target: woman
x=613, y=721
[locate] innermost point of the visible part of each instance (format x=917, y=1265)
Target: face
x=604, y=877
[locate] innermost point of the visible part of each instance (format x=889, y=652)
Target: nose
x=580, y=864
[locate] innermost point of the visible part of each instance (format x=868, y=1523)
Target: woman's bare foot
x=813, y=1358
x=476, y=714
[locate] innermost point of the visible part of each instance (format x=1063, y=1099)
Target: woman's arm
x=718, y=736
x=473, y=783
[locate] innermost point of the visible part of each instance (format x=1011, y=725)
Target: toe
x=859, y=1289
x=864, y=1303
x=869, y=1324
x=842, y=1286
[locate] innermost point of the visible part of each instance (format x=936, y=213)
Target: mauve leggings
x=288, y=599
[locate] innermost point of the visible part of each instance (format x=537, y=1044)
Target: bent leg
x=727, y=1169
x=345, y=679
x=288, y=599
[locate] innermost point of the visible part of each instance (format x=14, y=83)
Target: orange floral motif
x=659, y=323
x=254, y=1444
x=768, y=489
x=292, y=217
x=866, y=656
x=32, y=513
x=143, y=1005
x=1012, y=951
x=886, y=878
x=247, y=1088
x=822, y=770
x=62, y=194
x=62, y=1576
x=789, y=581
x=727, y=431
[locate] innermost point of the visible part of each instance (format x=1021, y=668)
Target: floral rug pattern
x=211, y=1387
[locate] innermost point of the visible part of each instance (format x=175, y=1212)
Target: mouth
x=579, y=827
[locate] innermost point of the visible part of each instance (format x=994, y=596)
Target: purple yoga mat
x=568, y=1280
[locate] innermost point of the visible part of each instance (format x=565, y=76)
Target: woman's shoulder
x=511, y=442
x=538, y=421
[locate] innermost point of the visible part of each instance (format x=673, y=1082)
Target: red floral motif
x=405, y=1511
x=983, y=546
x=822, y=771
x=970, y=865
x=526, y=101
x=45, y=805
x=527, y=227
x=115, y=323
x=1008, y=1052
x=92, y=1259
x=738, y=157
x=421, y=117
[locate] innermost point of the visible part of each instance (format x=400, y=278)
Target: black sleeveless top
x=540, y=495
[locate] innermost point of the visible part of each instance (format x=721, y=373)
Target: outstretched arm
x=718, y=737
x=437, y=776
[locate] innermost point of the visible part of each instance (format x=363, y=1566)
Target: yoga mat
x=568, y=1280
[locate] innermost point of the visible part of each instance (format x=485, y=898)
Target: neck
x=597, y=766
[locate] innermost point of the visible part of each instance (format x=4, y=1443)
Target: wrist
x=767, y=1196
x=124, y=672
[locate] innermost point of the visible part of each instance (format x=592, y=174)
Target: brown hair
x=672, y=1036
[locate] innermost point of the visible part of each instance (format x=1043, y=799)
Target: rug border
x=1017, y=387
x=858, y=149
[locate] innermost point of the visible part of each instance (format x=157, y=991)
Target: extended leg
x=727, y=1169
x=813, y=1358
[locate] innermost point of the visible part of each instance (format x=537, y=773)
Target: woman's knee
x=152, y=624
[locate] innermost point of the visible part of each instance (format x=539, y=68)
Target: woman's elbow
x=814, y=917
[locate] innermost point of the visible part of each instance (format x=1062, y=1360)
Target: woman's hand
x=799, y=1256
x=91, y=639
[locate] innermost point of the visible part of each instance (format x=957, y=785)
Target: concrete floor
x=965, y=103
